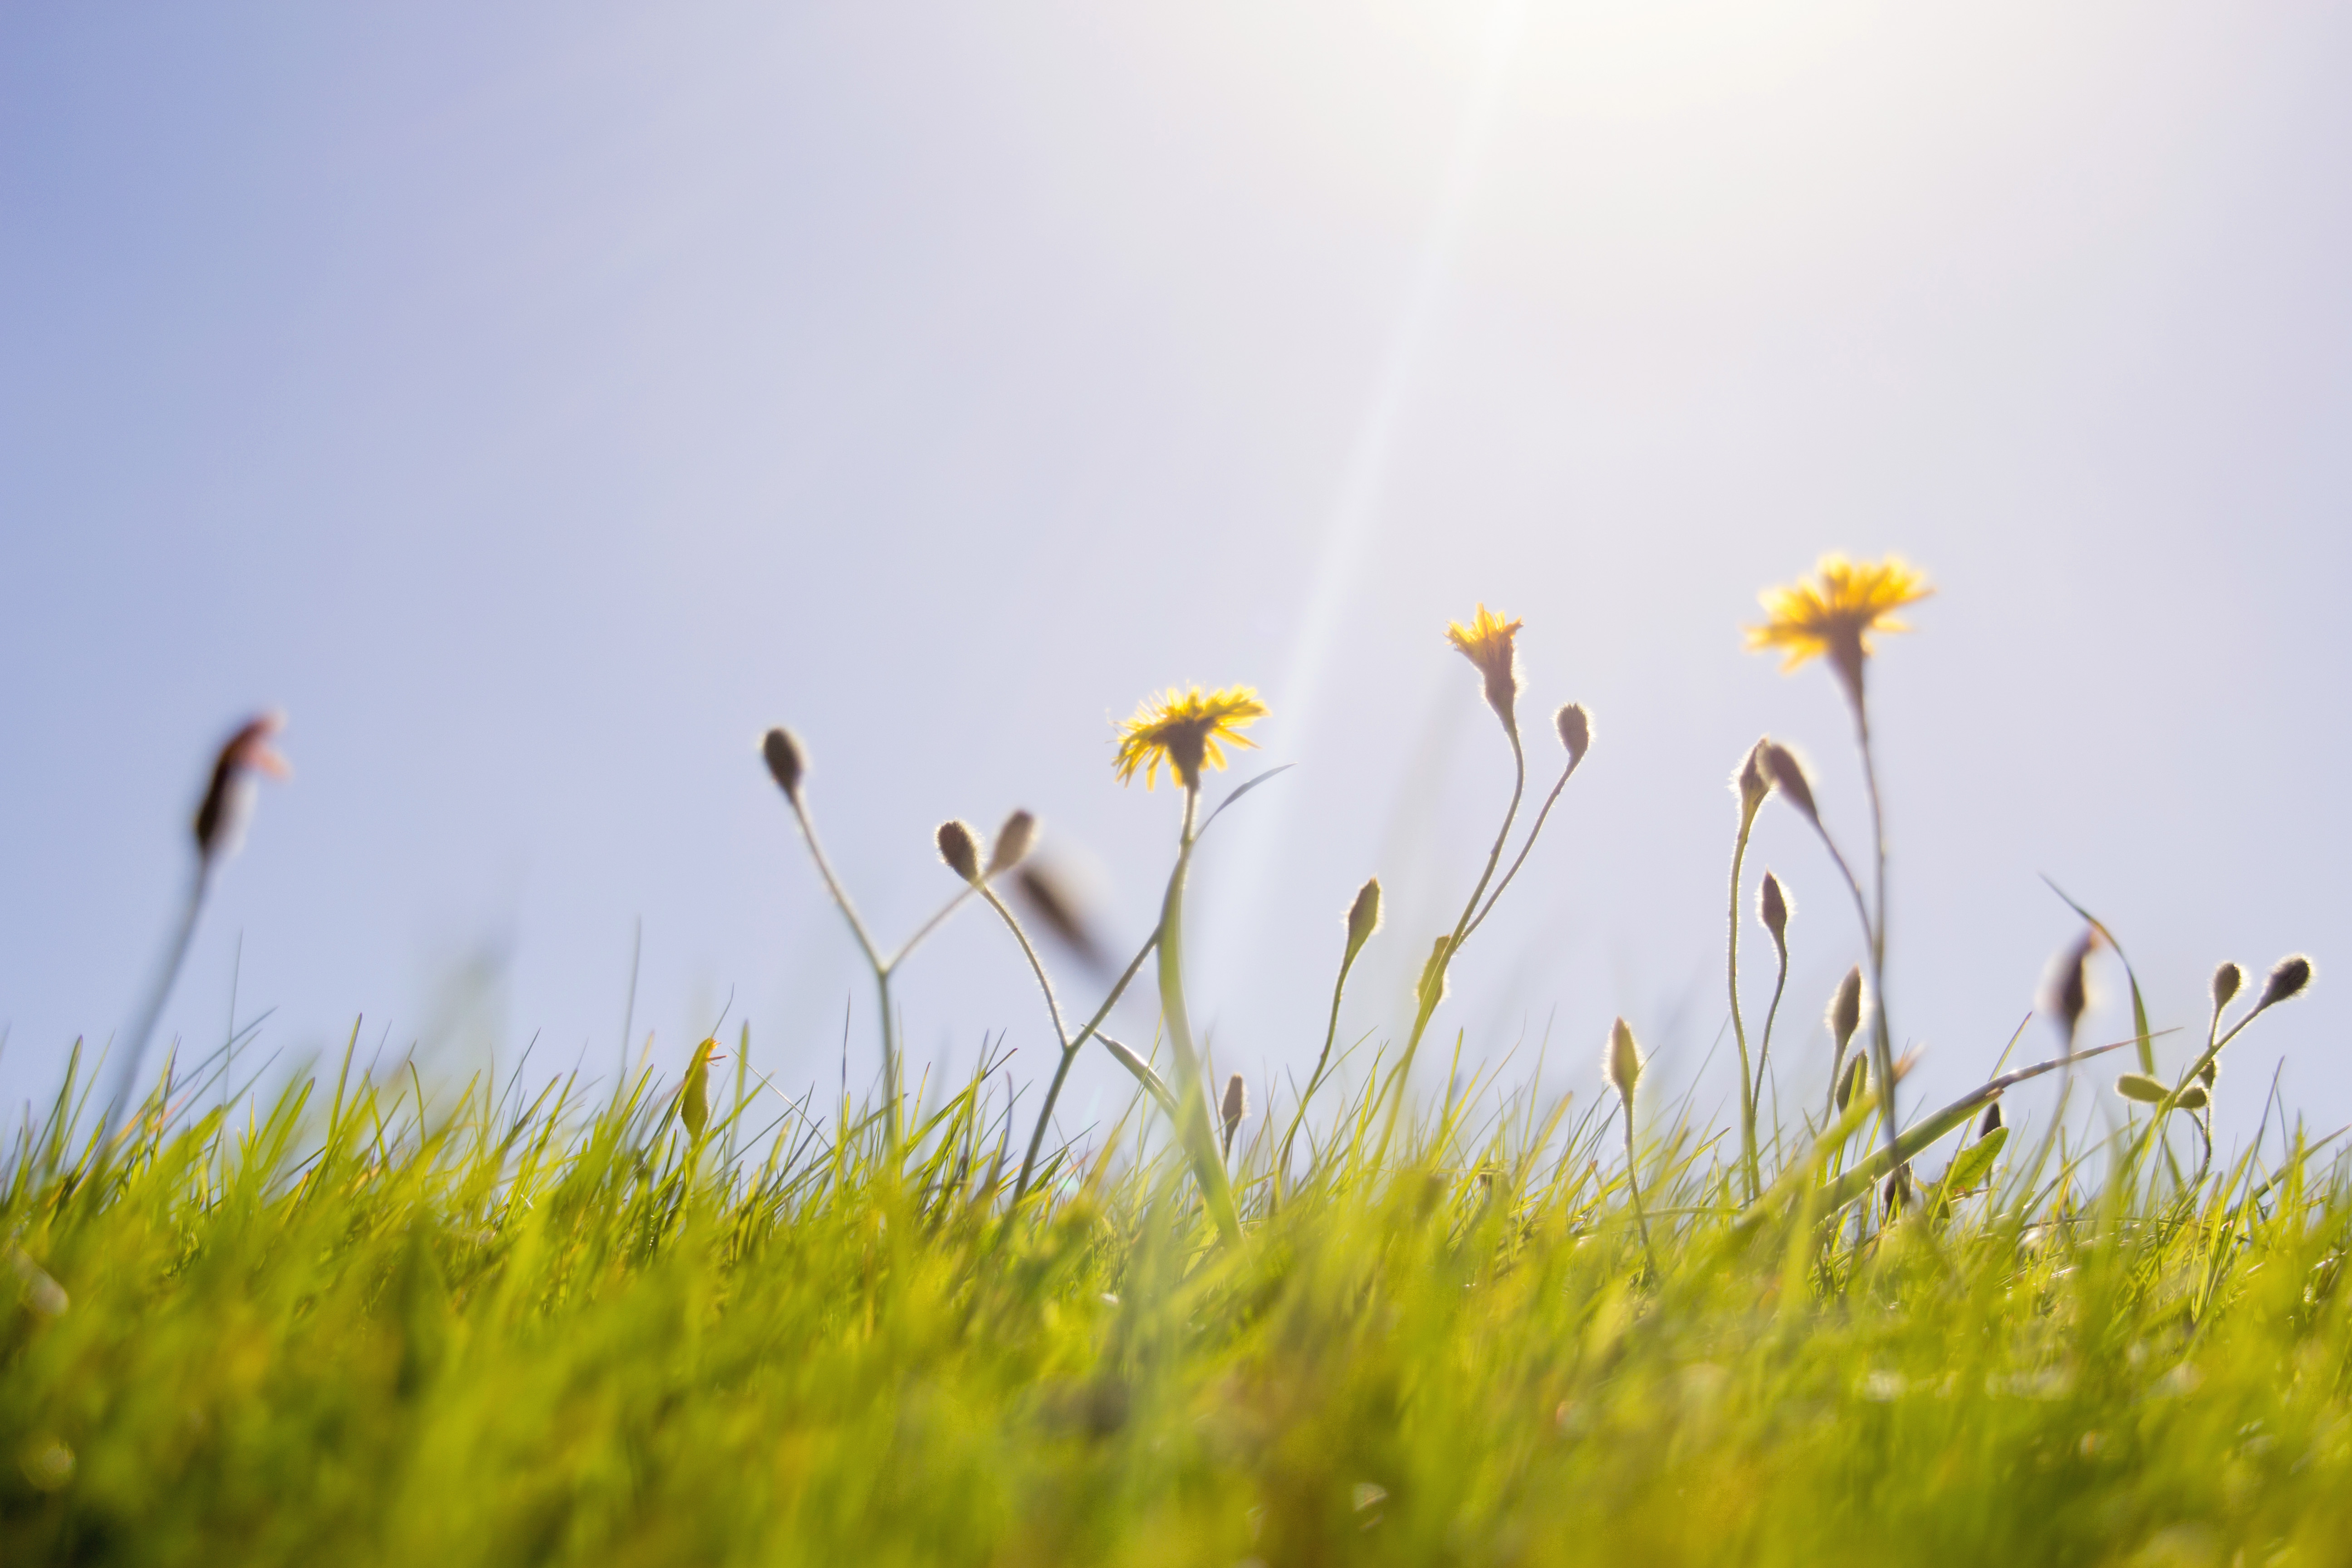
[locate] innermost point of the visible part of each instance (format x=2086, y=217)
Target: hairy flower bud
x=2193, y=1097
x=1772, y=909
x=2139, y=1086
x=1363, y=918
x=1575, y=727
x=1855, y=1082
x=1787, y=775
x=1623, y=1062
x=1749, y=782
x=2287, y=980
x=786, y=761
x=1236, y=1107
x=1013, y=842
x=957, y=848
x=228, y=794
x=1845, y=1009
x=2226, y=982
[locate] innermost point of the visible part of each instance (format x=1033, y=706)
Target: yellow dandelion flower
x=1185, y=728
x=1487, y=642
x=1837, y=613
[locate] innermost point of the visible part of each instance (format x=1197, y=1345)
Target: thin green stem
x=1764, y=1046
x=1194, y=1129
x=1881, y=1033
x=1322, y=1064
x=1738, y=1025
x=1634, y=1189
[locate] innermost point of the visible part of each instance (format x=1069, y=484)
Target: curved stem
x=1764, y=1046
x=1738, y=1025
x=1634, y=1186
x=1882, y=1052
x=176, y=952
x=833, y=885
x=1521, y=858
x=1193, y=1126
x=928, y=926
x=1073, y=1045
x=1882, y=1036
x=1322, y=1063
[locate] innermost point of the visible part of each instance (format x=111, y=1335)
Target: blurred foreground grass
x=342, y=1331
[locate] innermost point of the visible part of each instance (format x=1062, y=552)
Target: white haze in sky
x=539, y=401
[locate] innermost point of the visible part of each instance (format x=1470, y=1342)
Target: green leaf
x=1970, y=1166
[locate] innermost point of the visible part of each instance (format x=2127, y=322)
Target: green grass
x=357, y=1327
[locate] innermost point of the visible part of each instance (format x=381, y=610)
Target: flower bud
x=1363, y=918
x=782, y=750
x=1624, y=1063
x=229, y=796
x=2140, y=1086
x=1845, y=1009
x=1575, y=727
x=1013, y=842
x=2226, y=982
x=1236, y=1106
x=2193, y=1097
x=1896, y=1195
x=1855, y=1082
x=2210, y=1073
x=1749, y=781
x=1991, y=1122
x=1772, y=907
x=2068, y=992
x=957, y=849
x=2287, y=980
x=1787, y=775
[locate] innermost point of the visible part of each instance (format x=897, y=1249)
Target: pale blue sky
x=537, y=401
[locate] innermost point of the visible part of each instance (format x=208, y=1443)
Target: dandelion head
x=958, y=849
x=2288, y=978
x=1185, y=729
x=1784, y=772
x=2226, y=983
x=786, y=761
x=229, y=796
x=1575, y=727
x=1837, y=611
x=1013, y=841
x=1772, y=909
x=1488, y=643
x=1624, y=1061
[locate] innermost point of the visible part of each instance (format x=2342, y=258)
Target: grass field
x=360, y=1322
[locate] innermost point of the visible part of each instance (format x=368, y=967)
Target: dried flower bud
x=1056, y=903
x=2226, y=982
x=956, y=847
x=1363, y=918
x=786, y=761
x=1772, y=909
x=1787, y=775
x=2068, y=993
x=2140, y=1086
x=1575, y=727
x=229, y=796
x=1991, y=1122
x=1749, y=782
x=2287, y=980
x=1623, y=1064
x=1855, y=1082
x=1013, y=842
x=2193, y=1097
x=1236, y=1107
x=1845, y=1009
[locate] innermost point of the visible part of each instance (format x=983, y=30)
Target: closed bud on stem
x=2210, y=1073
x=1857, y=1081
x=1363, y=918
x=1896, y=1195
x=228, y=794
x=1013, y=842
x=2194, y=1097
x=1772, y=907
x=2226, y=982
x=1787, y=775
x=2070, y=993
x=2139, y=1086
x=1432, y=989
x=786, y=763
x=2287, y=980
x=1623, y=1064
x=1575, y=727
x=1749, y=781
x=1845, y=1009
x=957, y=848
x=1236, y=1107
x=1991, y=1122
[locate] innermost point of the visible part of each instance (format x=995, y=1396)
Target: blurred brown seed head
x=1787, y=775
x=1855, y=1081
x=956, y=847
x=1749, y=782
x=1236, y=1107
x=1897, y=1193
x=2226, y=982
x=1575, y=727
x=2287, y=980
x=1013, y=841
x=2069, y=993
x=1845, y=1008
x=1624, y=1063
x=786, y=761
x=1772, y=909
x=1363, y=918
x=1053, y=901
x=229, y=796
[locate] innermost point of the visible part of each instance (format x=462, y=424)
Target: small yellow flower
x=1487, y=642
x=1837, y=613
x=1185, y=728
